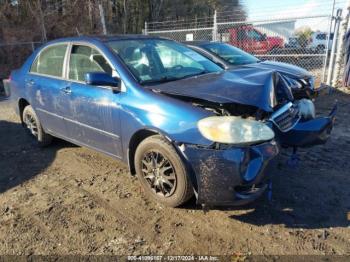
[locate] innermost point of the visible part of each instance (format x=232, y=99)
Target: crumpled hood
x=246, y=86
x=282, y=68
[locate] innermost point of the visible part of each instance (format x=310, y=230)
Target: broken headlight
x=234, y=130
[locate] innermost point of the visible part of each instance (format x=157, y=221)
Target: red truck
x=253, y=41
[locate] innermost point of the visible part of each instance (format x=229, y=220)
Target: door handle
x=66, y=90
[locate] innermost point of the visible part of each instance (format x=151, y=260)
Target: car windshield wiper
x=196, y=74
x=164, y=79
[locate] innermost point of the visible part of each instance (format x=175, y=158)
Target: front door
x=95, y=115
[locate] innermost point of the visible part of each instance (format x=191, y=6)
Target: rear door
x=95, y=118
x=46, y=86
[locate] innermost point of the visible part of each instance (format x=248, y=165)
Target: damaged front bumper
x=308, y=133
x=231, y=176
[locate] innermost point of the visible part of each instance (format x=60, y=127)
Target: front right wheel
x=161, y=172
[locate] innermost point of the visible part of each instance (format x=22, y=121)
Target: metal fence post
x=215, y=27
x=334, y=47
x=145, y=31
x=328, y=43
x=339, y=60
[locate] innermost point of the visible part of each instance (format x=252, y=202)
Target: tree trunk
x=125, y=16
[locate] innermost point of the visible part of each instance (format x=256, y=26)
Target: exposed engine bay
x=265, y=97
x=285, y=116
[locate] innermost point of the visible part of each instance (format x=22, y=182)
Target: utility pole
x=103, y=21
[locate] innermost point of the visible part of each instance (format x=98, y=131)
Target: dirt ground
x=66, y=199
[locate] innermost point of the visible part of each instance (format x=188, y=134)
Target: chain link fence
x=287, y=39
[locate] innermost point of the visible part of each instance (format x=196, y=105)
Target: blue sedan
x=183, y=124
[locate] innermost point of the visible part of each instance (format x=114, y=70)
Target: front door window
x=85, y=59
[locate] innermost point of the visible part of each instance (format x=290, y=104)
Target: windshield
x=231, y=54
x=156, y=60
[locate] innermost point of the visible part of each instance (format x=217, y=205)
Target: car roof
x=104, y=38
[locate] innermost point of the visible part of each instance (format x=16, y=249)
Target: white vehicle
x=319, y=42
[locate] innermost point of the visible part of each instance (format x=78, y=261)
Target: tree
x=42, y=20
x=304, y=35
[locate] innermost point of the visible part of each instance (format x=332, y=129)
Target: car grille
x=286, y=117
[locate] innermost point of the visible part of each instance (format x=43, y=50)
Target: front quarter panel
x=177, y=120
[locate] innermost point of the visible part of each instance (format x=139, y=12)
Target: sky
x=275, y=9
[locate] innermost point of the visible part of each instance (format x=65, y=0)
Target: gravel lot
x=65, y=199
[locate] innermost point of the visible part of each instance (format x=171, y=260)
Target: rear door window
x=50, y=61
x=254, y=35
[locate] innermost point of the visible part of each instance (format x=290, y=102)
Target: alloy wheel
x=159, y=173
x=31, y=124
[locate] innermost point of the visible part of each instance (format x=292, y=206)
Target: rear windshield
x=153, y=61
x=230, y=54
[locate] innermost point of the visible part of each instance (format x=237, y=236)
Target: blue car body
x=115, y=123
x=298, y=74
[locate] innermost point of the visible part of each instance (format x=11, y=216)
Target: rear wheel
x=33, y=126
x=161, y=172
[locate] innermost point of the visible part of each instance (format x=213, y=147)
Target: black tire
x=167, y=169
x=33, y=126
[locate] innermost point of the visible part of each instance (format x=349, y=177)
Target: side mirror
x=103, y=79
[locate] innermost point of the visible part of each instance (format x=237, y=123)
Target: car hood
x=282, y=68
x=246, y=86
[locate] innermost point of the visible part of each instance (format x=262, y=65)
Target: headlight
x=234, y=130
x=312, y=82
x=306, y=109
x=294, y=84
